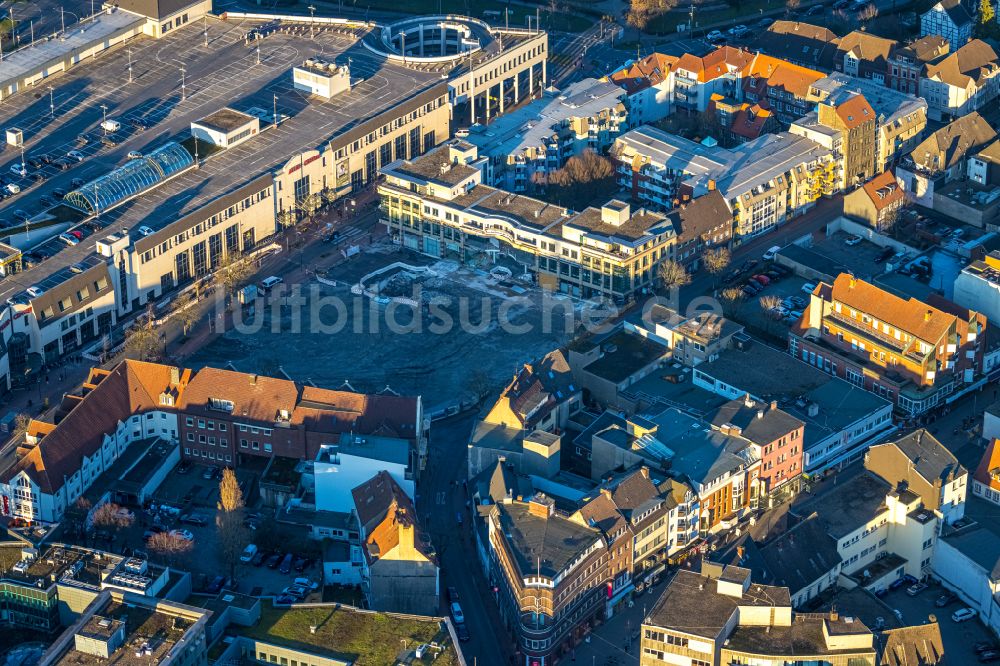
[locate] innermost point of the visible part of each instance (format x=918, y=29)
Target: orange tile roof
x=856, y=111
x=717, y=63
x=383, y=507
x=884, y=191
x=912, y=316
x=779, y=73
x=990, y=462
x=254, y=397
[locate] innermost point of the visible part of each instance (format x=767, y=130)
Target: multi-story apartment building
x=978, y=285
x=697, y=79
x=877, y=202
x=906, y=63
x=552, y=574
x=718, y=617
x=649, y=84
x=524, y=146
x=950, y=20
x=900, y=118
x=779, y=86
x=963, y=82
x=910, y=352
x=924, y=466
x=855, y=120
x=217, y=417
x=438, y=205
x=942, y=157
x=800, y=43
x=775, y=435
x=864, y=55
x=764, y=182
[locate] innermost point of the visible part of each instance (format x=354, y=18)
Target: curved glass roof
x=131, y=178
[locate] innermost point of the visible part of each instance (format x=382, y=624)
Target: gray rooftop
x=982, y=546
x=849, y=505
x=532, y=124
x=544, y=545
x=691, y=604
x=894, y=105
x=674, y=152
x=701, y=453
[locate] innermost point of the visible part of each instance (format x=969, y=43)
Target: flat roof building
x=226, y=128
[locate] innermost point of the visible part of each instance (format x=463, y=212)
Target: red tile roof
x=989, y=464
x=884, y=191
x=856, y=111
x=912, y=316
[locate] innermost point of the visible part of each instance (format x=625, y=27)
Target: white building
x=965, y=81
x=318, y=76
x=649, y=84
x=968, y=563
x=978, y=287
x=341, y=467
x=226, y=128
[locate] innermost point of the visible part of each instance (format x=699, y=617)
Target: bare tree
x=185, y=310
x=868, y=12
x=770, y=303
x=641, y=12
x=142, y=341
x=732, y=300
x=169, y=546
x=286, y=218
x=672, y=273
x=479, y=383
x=584, y=178
x=232, y=533
x=791, y=6
x=716, y=260
x=112, y=517
x=20, y=427
x=234, y=271
x=889, y=218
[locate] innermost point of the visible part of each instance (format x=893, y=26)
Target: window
x=267, y=447
x=189, y=421
x=243, y=444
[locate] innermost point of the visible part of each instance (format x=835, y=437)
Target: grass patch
x=366, y=639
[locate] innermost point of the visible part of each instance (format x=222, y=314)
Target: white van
x=111, y=125
x=248, y=553
x=769, y=255
x=268, y=283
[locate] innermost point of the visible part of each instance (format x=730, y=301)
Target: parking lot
x=959, y=637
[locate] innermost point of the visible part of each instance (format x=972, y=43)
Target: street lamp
x=52, y=103
x=183, y=84
x=274, y=117
x=312, y=18
x=104, y=123
x=130, y=64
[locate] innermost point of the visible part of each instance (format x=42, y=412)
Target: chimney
x=852, y=282
x=834, y=615
x=748, y=401
x=711, y=184
x=760, y=413
x=606, y=492
x=175, y=376
x=644, y=471
x=740, y=552
x=253, y=380
x=774, y=404
x=927, y=315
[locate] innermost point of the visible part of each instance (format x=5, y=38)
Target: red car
x=762, y=279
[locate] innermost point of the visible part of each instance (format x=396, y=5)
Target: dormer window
x=221, y=405
x=166, y=399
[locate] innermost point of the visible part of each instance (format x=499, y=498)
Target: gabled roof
x=383, y=508
x=884, y=191
x=634, y=493
x=800, y=556
x=926, y=456
x=547, y=381
x=952, y=143
x=111, y=398
x=650, y=71
x=973, y=63
x=499, y=481
x=989, y=464
x=955, y=10
x=722, y=61
x=255, y=397
x=758, y=422
x=601, y=513
x=701, y=217
x=867, y=47
x=855, y=111
x=916, y=645
x=802, y=43
x=769, y=72
x=925, y=49
x=912, y=316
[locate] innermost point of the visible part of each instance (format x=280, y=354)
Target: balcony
x=867, y=332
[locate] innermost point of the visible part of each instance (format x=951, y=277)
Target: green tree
x=987, y=19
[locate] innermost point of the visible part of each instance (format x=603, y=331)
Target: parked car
x=762, y=279
x=285, y=599
x=452, y=595
x=765, y=22
x=286, y=564
x=13, y=188
x=76, y=182
x=714, y=36
x=809, y=287
x=68, y=238
x=771, y=252
x=853, y=240
x=137, y=124
x=983, y=646
x=258, y=559
x=62, y=164
x=183, y=468
x=456, y=613
x=109, y=141
x=17, y=168
x=134, y=155
x=184, y=534
x=58, y=193
x=208, y=473
x=963, y=614
x=294, y=591
x=989, y=656
x=216, y=585
x=815, y=10
x=194, y=519
x=463, y=632
x=273, y=561
x=916, y=589
x=303, y=563
x=906, y=580
x=945, y=599
x=306, y=583
x=75, y=155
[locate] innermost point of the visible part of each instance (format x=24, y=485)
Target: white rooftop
x=30, y=59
